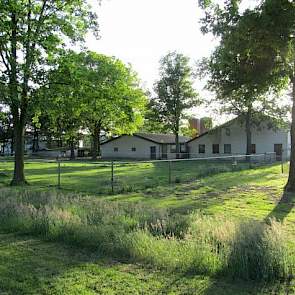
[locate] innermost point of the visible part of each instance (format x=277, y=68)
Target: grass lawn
x=95, y=178
x=32, y=266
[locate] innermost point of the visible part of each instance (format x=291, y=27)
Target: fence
x=118, y=176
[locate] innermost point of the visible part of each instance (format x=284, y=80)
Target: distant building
x=144, y=146
x=230, y=139
x=201, y=125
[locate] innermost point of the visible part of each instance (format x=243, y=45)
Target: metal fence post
x=112, y=176
x=170, y=168
x=58, y=173
x=234, y=163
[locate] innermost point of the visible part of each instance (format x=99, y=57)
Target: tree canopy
x=32, y=33
x=174, y=92
x=244, y=70
x=94, y=92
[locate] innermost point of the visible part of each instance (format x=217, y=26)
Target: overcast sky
x=140, y=32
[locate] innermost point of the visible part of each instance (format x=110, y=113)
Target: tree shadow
x=28, y=265
x=283, y=207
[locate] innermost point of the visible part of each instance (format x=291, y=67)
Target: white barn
x=144, y=146
x=230, y=139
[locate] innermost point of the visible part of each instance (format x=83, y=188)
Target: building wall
x=262, y=137
x=127, y=142
x=125, y=145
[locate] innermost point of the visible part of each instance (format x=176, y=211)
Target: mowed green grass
x=96, y=177
x=31, y=266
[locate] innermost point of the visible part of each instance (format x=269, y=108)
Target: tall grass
x=190, y=244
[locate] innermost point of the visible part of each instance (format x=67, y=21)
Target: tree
x=174, y=93
x=240, y=68
x=151, y=122
x=113, y=100
x=31, y=33
x=95, y=92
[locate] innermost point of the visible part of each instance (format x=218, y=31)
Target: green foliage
x=32, y=33
x=96, y=92
x=174, y=91
x=241, y=69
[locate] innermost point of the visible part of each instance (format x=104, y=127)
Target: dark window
x=227, y=131
x=182, y=148
x=215, y=148
x=202, y=149
x=133, y=149
x=116, y=149
x=253, y=148
x=227, y=148
x=173, y=148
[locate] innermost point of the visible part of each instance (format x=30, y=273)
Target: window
x=116, y=149
x=173, y=148
x=182, y=148
x=202, y=149
x=227, y=148
x=253, y=148
x=133, y=149
x=215, y=148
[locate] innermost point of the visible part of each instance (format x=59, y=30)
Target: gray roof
x=156, y=138
x=162, y=138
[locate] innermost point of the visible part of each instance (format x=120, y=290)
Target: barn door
x=278, y=149
x=153, y=153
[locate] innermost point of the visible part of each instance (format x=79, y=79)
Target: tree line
x=59, y=92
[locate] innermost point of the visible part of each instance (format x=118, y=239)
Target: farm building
x=230, y=139
x=144, y=146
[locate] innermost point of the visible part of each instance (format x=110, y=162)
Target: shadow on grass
x=283, y=207
x=27, y=265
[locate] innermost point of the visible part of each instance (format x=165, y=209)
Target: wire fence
x=106, y=177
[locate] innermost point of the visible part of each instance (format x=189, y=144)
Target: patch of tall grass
x=195, y=243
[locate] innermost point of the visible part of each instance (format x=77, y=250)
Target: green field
x=95, y=177
x=30, y=264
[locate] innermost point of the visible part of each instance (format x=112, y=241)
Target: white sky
x=140, y=32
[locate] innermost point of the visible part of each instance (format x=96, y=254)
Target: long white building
x=230, y=139
x=144, y=146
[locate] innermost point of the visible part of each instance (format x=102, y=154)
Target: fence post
x=282, y=163
x=234, y=163
x=112, y=176
x=170, y=171
x=58, y=173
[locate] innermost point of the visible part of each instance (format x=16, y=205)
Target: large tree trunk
x=248, y=134
x=96, y=142
x=290, y=186
x=19, y=140
x=16, y=109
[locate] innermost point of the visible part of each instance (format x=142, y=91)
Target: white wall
x=263, y=137
x=125, y=144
